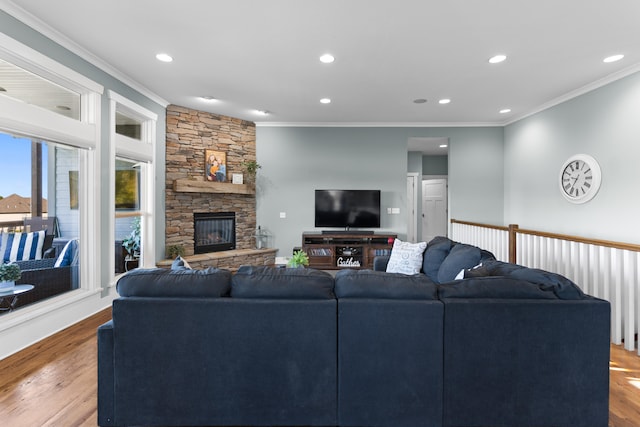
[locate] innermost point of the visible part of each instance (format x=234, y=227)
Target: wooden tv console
x=334, y=251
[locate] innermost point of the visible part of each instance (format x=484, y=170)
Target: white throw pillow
x=406, y=258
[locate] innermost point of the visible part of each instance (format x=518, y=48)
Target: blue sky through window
x=15, y=166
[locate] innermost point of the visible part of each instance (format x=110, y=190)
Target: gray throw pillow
x=437, y=250
x=461, y=257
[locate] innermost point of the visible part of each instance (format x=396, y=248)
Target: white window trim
x=142, y=150
x=28, y=120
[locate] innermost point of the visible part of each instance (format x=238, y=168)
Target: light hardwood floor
x=53, y=383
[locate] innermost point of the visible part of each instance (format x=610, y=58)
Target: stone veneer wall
x=189, y=133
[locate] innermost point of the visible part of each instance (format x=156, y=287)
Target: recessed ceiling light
x=164, y=57
x=208, y=98
x=419, y=101
x=505, y=110
x=327, y=58
x=444, y=101
x=443, y=145
x=613, y=58
x=325, y=101
x=262, y=112
x=497, y=59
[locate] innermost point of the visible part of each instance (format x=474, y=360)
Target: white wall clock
x=580, y=178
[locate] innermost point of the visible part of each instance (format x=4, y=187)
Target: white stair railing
x=604, y=269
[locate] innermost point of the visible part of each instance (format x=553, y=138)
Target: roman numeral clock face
x=580, y=178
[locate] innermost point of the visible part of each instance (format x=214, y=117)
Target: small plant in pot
x=132, y=242
x=9, y=273
x=251, y=169
x=174, y=251
x=298, y=260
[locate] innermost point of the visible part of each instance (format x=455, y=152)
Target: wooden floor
x=53, y=383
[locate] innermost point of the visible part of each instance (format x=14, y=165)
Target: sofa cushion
x=68, y=255
x=562, y=287
x=494, y=287
x=461, y=257
x=160, y=282
x=379, y=284
x=281, y=283
x=437, y=250
x=406, y=257
x=22, y=246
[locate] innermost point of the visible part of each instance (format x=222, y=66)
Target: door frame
x=413, y=211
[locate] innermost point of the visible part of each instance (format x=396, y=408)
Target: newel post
x=513, y=229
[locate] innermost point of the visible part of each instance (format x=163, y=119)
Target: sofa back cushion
x=437, y=250
x=460, y=257
x=160, y=282
x=281, y=283
x=546, y=281
x=21, y=246
x=379, y=284
x=494, y=287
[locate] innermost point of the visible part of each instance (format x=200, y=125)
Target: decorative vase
x=7, y=285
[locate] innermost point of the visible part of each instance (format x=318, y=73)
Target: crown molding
x=379, y=124
x=59, y=38
x=577, y=92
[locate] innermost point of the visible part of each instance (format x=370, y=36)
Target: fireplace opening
x=214, y=232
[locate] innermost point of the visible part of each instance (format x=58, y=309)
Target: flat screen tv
x=347, y=208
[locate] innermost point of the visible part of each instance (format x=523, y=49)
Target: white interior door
x=412, y=206
x=434, y=208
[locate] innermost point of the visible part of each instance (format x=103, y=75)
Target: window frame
x=21, y=119
x=140, y=150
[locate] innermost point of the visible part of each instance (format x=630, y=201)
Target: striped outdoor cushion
x=21, y=246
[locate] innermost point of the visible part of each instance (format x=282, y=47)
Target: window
x=132, y=144
x=63, y=166
x=22, y=85
x=39, y=194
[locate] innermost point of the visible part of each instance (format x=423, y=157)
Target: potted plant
x=251, y=169
x=298, y=260
x=132, y=242
x=174, y=251
x=9, y=273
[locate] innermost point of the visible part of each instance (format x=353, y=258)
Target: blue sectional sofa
x=505, y=346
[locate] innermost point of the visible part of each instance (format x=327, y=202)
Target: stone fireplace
x=187, y=192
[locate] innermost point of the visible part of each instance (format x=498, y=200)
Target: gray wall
x=297, y=160
x=604, y=123
x=435, y=165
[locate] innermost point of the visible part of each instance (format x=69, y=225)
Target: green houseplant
x=173, y=251
x=9, y=273
x=132, y=242
x=251, y=169
x=298, y=260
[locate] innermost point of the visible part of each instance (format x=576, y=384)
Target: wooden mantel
x=193, y=186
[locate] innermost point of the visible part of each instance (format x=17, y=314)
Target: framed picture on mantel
x=215, y=165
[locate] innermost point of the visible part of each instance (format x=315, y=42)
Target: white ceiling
x=264, y=54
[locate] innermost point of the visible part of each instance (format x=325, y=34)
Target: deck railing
x=11, y=226
x=602, y=268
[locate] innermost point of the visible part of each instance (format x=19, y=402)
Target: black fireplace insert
x=214, y=231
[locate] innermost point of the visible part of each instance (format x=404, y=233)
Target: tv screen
x=347, y=208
